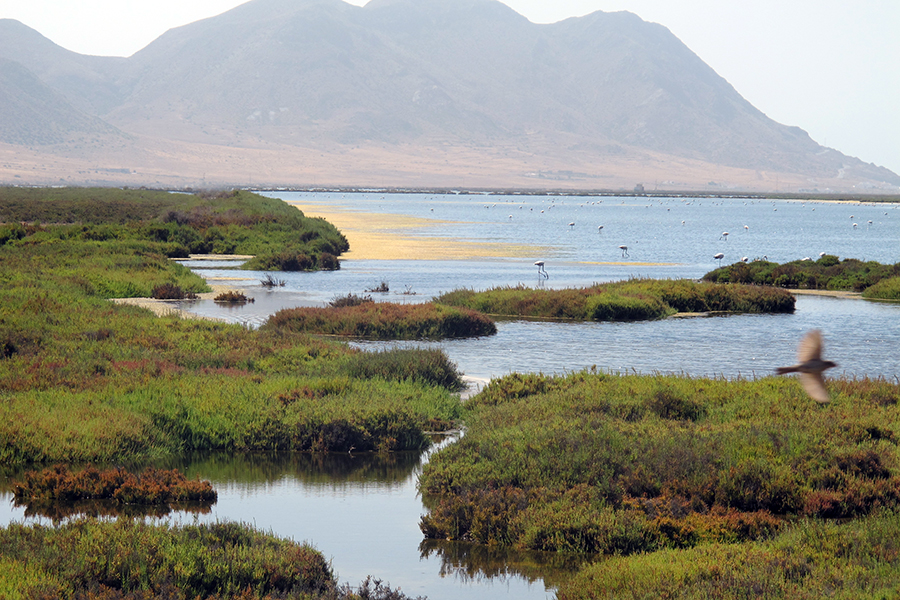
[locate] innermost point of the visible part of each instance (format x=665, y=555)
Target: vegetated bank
x=135, y=560
x=83, y=379
x=385, y=321
x=631, y=300
x=633, y=465
x=810, y=560
x=278, y=235
x=875, y=280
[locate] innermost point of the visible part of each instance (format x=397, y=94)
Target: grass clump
x=363, y=318
x=153, y=486
x=632, y=300
x=826, y=273
x=886, y=289
x=350, y=299
x=812, y=559
x=625, y=464
x=270, y=281
x=408, y=364
x=232, y=297
x=170, y=291
x=134, y=560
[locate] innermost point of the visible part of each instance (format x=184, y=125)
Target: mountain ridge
x=427, y=74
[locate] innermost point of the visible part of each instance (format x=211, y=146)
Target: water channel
x=362, y=512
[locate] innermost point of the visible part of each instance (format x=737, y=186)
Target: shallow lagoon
x=363, y=511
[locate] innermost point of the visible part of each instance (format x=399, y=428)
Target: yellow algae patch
x=379, y=236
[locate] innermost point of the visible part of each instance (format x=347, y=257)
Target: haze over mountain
x=401, y=92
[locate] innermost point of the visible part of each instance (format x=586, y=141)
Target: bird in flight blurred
x=811, y=366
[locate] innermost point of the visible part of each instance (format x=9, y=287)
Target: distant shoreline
x=737, y=195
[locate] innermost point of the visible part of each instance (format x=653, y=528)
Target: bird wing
x=814, y=384
x=810, y=347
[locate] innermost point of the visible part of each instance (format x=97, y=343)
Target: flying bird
x=811, y=366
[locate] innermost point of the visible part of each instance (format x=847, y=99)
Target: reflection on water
x=252, y=470
x=361, y=511
x=475, y=562
x=60, y=510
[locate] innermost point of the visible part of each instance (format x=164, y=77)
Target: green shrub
x=360, y=317
x=610, y=463
x=222, y=560
x=885, y=289
x=412, y=364
x=857, y=559
x=632, y=300
x=827, y=273
x=170, y=291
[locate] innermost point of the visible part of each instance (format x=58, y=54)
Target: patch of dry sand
x=376, y=236
x=169, y=308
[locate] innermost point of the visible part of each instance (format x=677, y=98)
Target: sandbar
x=379, y=236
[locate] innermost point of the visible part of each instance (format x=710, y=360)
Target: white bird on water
x=624, y=250
x=542, y=272
x=719, y=258
x=724, y=236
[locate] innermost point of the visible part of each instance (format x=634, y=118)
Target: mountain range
x=401, y=93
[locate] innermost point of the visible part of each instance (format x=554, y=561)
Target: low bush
x=810, y=559
x=618, y=464
x=153, y=486
x=362, y=318
x=632, y=300
x=826, y=273
x=885, y=289
x=349, y=300
x=232, y=297
x=170, y=291
x=125, y=559
x=431, y=367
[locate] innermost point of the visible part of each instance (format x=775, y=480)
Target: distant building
x=639, y=188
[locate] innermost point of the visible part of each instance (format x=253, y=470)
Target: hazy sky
x=831, y=67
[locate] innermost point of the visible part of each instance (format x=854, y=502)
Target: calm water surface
x=667, y=238
x=363, y=511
